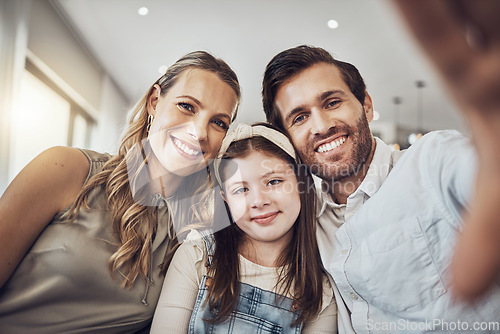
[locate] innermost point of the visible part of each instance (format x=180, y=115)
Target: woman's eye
x=221, y=124
x=186, y=106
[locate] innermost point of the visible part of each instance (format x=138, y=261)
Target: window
x=44, y=117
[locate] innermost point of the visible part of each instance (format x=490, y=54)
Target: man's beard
x=333, y=169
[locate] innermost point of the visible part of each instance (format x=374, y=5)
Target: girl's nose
x=260, y=198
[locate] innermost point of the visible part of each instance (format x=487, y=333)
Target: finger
x=448, y=30
x=476, y=261
x=483, y=15
x=436, y=27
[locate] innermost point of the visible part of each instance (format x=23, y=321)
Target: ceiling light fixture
x=143, y=11
x=332, y=24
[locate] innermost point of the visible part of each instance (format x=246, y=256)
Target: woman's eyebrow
x=198, y=102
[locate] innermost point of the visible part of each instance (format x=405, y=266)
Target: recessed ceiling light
x=143, y=11
x=332, y=24
x=162, y=69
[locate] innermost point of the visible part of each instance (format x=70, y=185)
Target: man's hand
x=462, y=39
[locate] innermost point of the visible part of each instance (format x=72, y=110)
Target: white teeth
x=184, y=148
x=330, y=146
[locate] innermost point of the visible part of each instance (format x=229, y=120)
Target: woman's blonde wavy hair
x=133, y=223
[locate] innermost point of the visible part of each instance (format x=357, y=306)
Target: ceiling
x=247, y=34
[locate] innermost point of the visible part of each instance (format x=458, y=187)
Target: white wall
x=35, y=27
x=112, y=118
x=385, y=130
x=53, y=43
x=14, y=15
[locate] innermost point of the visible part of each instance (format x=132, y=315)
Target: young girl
x=263, y=272
x=83, y=235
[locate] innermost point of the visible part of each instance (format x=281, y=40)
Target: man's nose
x=321, y=122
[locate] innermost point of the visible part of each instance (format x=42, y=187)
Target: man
x=388, y=220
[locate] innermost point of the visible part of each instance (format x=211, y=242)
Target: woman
x=262, y=273
x=84, y=235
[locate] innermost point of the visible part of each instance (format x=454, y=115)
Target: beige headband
x=244, y=131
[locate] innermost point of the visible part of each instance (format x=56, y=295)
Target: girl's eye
x=299, y=119
x=221, y=124
x=274, y=182
x=186, y=106
x=238, y=191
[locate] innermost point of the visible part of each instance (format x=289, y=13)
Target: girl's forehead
x=255, y=165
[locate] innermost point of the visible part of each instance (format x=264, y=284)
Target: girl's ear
x=223, y=195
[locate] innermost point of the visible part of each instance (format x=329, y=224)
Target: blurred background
x=70, y=70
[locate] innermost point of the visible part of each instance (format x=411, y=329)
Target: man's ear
x=154, y=95
x=368, y=107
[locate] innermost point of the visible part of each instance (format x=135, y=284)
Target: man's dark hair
x=291, y=62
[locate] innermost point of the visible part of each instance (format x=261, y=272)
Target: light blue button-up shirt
x=389, y=248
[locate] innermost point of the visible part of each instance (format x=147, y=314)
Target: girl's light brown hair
x=134, y=224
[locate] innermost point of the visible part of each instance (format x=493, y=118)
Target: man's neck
x=340, y=190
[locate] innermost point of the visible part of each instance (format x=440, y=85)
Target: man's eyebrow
x=327, y=94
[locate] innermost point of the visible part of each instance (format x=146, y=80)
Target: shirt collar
x=377, y=173
x=379, y=169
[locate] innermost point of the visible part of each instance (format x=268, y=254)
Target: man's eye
x=299, y=119
x=333, y=103
x=186, y=106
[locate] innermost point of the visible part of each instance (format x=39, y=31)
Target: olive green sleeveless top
x=64, y=285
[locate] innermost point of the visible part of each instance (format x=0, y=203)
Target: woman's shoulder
x=63, y=154
x=95, y=156
x=49, y=182
x=68, y=169
x=61, y=164
x=96, y=160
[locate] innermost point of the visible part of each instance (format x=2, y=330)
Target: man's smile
x=326, y=147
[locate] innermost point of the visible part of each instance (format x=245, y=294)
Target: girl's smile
x=263, y=198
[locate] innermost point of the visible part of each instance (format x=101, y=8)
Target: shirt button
x=344, y=252
x=353, y=296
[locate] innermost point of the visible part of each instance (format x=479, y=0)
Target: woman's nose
x=198, y=129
